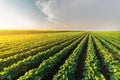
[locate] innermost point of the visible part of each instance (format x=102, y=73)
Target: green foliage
x=28, y=63
x=33, y=55
x=67, y=70
x=108, y=61
x=47, y=66
x=92, y=66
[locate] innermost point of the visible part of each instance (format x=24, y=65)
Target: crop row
x=67, y=70
x=108, y=62
x=33, y=61
x=113, y=49
x=13, y=59
x=33, y=45
x=92, y=65
x=47, y=66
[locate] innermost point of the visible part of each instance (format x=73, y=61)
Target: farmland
x=59, y=55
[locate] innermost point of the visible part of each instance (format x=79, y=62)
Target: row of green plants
x=92, y=65
x=114, y=36
x=48, y=65
x=29, y=45
x=27, y=42
x=114, y=43
x=16, y=70
x=109, y=46
x=13, y=59
x=108, y=61
x=67, y=70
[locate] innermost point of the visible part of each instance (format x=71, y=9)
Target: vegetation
x=59, y=55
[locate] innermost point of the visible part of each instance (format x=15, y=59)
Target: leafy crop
x=58, y=55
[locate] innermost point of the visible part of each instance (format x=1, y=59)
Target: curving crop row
x=25, y=48
x=110, y=41
x=11, y=43
x=114, y=36
x=91, y=65
x=13, y=59
x=111, y=38
x=23, y=66
x=47, y=66
x=67, y=70
x=109, y=45
x=108, y=62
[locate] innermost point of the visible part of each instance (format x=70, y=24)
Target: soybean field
x=59, y=55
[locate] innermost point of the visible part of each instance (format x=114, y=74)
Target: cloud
x=61, y=11
x=47, y=7
x=79, y=13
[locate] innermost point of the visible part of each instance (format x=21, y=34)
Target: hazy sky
x=60, y=14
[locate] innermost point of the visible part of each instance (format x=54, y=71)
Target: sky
x=103, y=15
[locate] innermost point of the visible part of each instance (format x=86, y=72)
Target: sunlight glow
x=11, y=17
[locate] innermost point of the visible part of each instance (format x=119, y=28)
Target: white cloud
x=60, y=10
x=47, y=7
x=81, y=12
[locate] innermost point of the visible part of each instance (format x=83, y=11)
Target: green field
x=59, y=55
